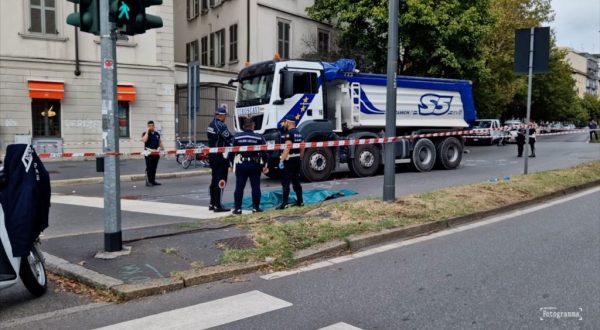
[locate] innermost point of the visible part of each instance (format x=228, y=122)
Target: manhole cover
x=240, y=242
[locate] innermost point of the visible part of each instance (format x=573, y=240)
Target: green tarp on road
x=273, y=199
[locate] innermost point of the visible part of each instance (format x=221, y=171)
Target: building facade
x=50, y=90
x=585, y=72
x=224, y=36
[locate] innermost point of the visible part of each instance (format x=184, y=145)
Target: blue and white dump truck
x=333, y=101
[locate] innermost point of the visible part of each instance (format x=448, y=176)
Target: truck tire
x=366, y=161
x=449, y=153
x=423, y=155
x=317, y=164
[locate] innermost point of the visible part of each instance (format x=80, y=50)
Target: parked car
x=513, y=125
x=492, y=134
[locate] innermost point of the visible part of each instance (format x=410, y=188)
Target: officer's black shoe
x=221, y=209
x=299, y=204
x=156, y=183
x=532, y=156
x=238, y=211
x=257, y=210
x=211, y=208
x=148, y=184
x=282, y=207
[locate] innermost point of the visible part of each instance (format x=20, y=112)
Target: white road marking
x=392, y=246
x=341, y=326
x=44, y=316
x=156, y=208
x=208, y=314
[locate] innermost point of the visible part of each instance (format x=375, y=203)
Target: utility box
x=99, y=164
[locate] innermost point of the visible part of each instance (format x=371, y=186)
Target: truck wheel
x=449, y=153
x=423, y=156
x=33, y=272
x=366, y=161
x=317, y=164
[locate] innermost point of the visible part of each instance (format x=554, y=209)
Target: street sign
x=109, y=64
x=541, y=50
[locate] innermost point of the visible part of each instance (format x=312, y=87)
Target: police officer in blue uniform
x=290, y=162
x=152, y=142
x=218, y=136
x=248, y=165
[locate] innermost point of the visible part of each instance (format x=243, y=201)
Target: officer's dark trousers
x=151, y=165
x=520, y=146
x=532, y=145
x=244, y=171
x=291, y=174
x=219, y=167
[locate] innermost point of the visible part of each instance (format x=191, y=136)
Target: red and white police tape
x=276, y=147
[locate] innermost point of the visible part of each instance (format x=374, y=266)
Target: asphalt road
x=481, y=164
x=517, y=271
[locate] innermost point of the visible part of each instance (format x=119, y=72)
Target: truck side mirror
x=287, y=85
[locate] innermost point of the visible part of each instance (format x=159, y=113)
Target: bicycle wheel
x=186, y=162
x=178, y=158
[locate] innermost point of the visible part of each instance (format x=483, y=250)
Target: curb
x=127, y=178
x=216, y=273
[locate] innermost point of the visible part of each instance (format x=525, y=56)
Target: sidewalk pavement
x=84, y=171
x=157, y=253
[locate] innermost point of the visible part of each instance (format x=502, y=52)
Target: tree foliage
x=463, y=39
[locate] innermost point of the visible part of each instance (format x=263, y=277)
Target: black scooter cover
x=25, y=197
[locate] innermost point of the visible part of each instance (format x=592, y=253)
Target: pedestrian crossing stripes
x=341, y=326
x=155, y=208
x=207, y=315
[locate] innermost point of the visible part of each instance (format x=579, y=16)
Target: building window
x=46, y=117
x=217, y=48
x=204, y=6
x=233, y=43
x=42, y=17
x=192, y=52
x=123, y=119
x=283, y=39
x=323, y=36
x=193, y=8
x=215, y=3
x=204, y=42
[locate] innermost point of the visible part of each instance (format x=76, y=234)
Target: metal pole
x=389, y=187
x=112, y=189
x=529, y=87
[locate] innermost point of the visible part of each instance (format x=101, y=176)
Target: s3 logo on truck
x=433, y=104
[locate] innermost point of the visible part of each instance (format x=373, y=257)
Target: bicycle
x=186, y=159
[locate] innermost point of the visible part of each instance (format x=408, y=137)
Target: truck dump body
x=421, y=102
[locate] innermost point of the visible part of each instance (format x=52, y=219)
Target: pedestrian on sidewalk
x=218, y=136
x=290, y=162
x=593, y=126
x=520, y=141
x=532, y=138
x=152, y=143
x=248, y=165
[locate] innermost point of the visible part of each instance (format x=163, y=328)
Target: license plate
x=247, y=111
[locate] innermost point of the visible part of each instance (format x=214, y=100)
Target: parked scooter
x=25, y=199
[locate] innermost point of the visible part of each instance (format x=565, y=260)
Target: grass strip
x=279, y=234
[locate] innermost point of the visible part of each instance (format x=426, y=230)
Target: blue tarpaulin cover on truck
x=272, y=199
x=339, y=66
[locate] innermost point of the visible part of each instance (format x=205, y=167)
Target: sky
x=577, y=24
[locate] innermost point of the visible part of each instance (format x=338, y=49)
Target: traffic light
x=131, y=18
x=88, y=16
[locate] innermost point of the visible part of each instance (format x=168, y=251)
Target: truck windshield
x=254, y=90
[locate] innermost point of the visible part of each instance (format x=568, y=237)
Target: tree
x=590, y=106
x=439, y=38
x=495, y=95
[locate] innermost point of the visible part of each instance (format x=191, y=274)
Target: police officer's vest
x=294, y=136
x=218, y=134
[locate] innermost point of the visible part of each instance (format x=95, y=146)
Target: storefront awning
x=46, y=90
x=126, y=93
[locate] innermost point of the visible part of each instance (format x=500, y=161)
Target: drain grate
x=239, y=242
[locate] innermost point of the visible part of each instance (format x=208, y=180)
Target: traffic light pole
x=389, y=175
x=112, y=185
